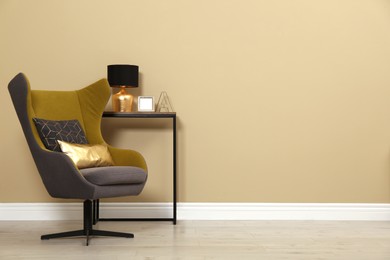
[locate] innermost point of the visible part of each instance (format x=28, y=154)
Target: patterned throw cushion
x=65, y=130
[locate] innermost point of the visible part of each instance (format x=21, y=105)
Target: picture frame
x=146, y=104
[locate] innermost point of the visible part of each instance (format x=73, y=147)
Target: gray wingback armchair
x=59, y=174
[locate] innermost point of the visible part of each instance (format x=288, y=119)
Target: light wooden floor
x=202, y=240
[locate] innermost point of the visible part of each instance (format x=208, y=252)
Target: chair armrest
x=125, y=157
x=60, y=176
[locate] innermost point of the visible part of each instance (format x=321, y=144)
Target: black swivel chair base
x=88, y=231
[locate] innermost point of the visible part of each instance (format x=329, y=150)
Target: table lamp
x=122, y=76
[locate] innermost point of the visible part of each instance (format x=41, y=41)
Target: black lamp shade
x=123, y=75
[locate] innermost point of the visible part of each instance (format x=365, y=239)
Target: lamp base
x=122, y=101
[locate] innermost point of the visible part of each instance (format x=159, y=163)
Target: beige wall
x=278, y=101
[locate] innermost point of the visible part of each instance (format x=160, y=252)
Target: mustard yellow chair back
x=86, y=105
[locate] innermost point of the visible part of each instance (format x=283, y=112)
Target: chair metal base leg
x=88, y=231
x=76, y=233
x=111, y=234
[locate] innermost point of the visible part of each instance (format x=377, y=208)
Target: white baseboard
x=284, y=211
x=201, y=211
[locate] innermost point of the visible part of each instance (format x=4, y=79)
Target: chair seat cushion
x=114, y=175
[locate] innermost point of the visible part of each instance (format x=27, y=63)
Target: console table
x=169, y=115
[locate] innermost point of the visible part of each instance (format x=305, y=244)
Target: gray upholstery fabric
x=114, y=175
x=118, y=190
x=57, y=170
x=60, y=176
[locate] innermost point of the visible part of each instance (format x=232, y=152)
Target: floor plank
x=205, y=240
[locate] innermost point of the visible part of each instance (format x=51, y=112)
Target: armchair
x=60, y=176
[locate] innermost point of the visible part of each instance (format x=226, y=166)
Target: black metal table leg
x=174, y=172
x=95, y=212
x=174, y=126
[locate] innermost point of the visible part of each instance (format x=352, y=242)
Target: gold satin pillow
x=86, y=155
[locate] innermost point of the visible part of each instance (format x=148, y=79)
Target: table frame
x=172, y=115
